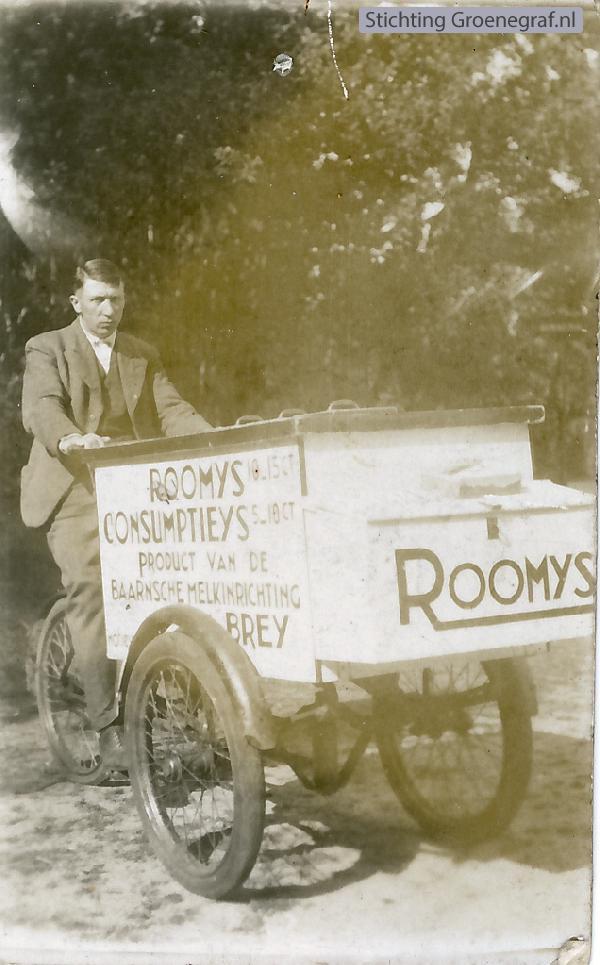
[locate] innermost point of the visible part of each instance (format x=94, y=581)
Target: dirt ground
x=340, y=879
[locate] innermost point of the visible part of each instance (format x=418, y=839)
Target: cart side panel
x=479, y=576
x=223, y=533
x=337, y=549
x=481, y=582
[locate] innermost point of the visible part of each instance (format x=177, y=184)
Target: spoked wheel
x=198, y=784
x=61, y=702
x=456, y=745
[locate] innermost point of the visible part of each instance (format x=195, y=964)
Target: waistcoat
x=115, y=421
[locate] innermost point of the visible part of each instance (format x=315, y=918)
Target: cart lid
x=536, y=496
x=343, y=416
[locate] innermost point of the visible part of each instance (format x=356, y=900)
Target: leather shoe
x=112, y=747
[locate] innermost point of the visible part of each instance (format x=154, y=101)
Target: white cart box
x=344, y=543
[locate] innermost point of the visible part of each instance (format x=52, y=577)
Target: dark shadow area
x=315, y=845
x=552, y=830
x=351, y=839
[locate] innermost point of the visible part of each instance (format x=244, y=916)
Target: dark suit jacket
x=62, y=394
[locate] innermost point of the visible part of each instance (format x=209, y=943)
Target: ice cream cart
x=401, y=564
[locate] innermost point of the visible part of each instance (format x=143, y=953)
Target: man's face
x=100, y=306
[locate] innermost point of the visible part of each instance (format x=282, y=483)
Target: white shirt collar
x=95, y=341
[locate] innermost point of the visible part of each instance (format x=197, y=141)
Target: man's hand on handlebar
x=89, y=440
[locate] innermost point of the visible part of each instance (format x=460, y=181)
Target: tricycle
x=400, y=566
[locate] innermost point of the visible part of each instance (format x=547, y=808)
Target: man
x=86, y=385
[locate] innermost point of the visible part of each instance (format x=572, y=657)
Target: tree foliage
x=418, y=244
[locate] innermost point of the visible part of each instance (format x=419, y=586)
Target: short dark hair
x=98, y=269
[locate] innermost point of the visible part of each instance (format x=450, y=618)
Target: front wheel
x=198, y=784
x=455, y=741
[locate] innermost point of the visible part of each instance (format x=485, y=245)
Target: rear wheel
x=61, y=702
x=455, y=742
x=198, y=784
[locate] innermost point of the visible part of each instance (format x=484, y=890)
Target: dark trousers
x=73, y=542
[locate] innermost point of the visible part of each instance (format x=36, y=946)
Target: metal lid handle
x=245, y=420
x=342, y=404
x=286, y=413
